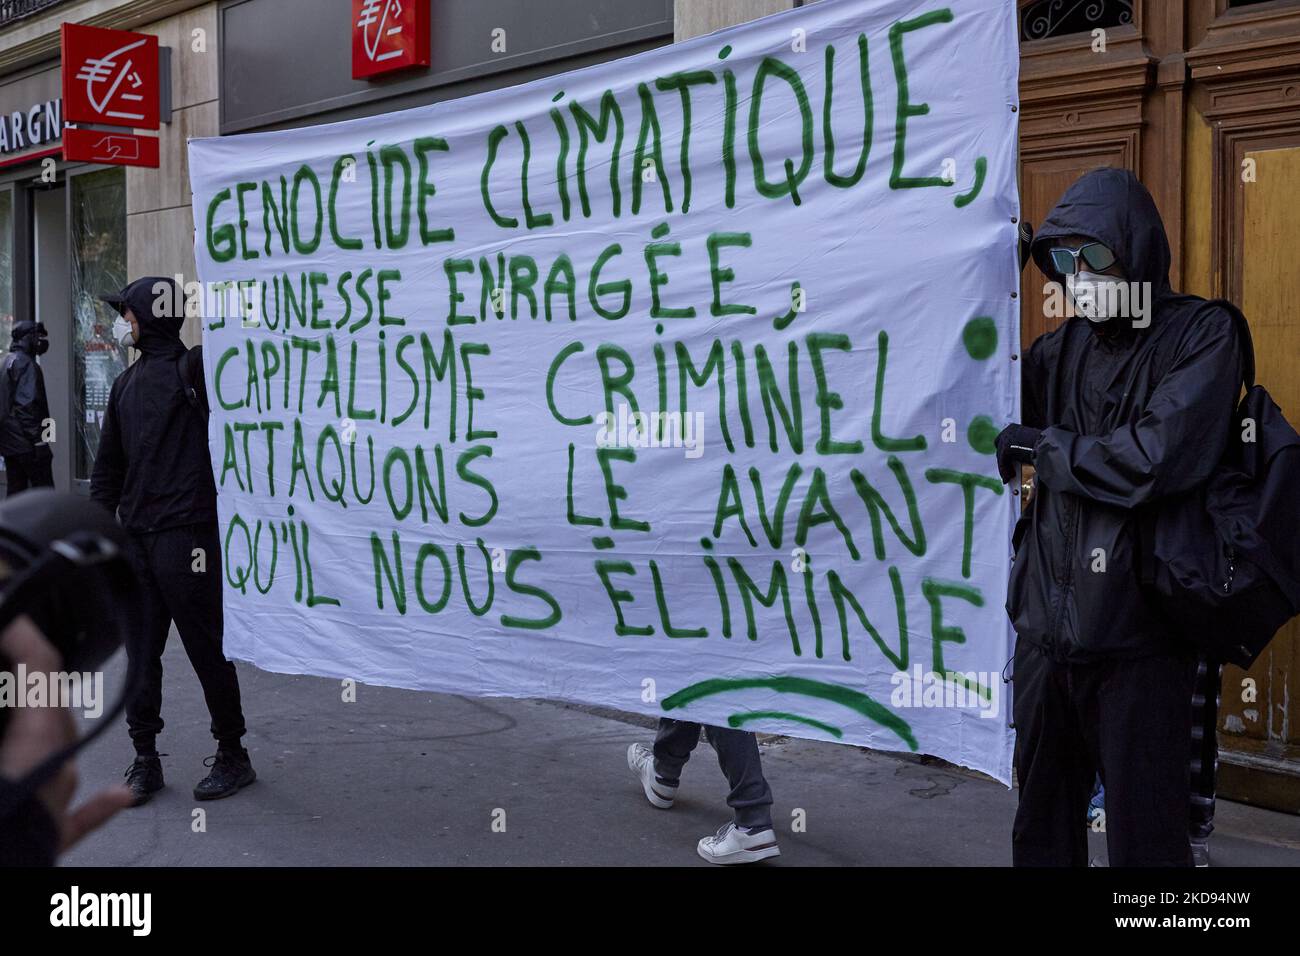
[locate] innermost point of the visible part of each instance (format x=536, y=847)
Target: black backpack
x=189, y=370
x=1224, y=559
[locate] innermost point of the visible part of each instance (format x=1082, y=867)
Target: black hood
x=1110, y=206
x=24, y=337
x=158, y=306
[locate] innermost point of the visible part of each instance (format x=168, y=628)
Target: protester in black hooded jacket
x=24, y=411
x=1120, y=413
x=152, y=470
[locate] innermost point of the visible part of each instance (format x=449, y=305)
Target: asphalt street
x=405, y=778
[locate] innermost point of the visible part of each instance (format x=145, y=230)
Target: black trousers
x=1127, y=720
x=28, y=470
x=750, y=798
x=179, y=571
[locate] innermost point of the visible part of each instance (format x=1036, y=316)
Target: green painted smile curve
x=847, y=696
x=736, y=720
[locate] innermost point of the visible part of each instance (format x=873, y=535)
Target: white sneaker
x=733, y=845
x=641, y=761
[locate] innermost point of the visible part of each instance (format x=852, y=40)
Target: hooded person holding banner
x=1125, y=404
x=152, y=470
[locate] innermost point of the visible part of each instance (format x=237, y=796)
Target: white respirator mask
x=122, y=332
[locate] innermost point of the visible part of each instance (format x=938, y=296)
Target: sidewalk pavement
x=406, y=778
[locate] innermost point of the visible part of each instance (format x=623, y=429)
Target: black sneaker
x=144, y=778
x=231, y=772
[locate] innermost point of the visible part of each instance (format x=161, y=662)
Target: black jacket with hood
x=152, y=467
x=1129, y=418
x=23, y=406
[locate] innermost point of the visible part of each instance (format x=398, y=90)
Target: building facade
x=70, y=231
x=1201, y=98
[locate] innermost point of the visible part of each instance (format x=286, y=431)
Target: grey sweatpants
x=750, y=798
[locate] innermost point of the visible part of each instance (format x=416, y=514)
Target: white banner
x=669, y=384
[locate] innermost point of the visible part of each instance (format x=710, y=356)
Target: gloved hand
x=1015, y=446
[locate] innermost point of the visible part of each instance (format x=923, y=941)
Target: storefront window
x=6, y=268
x=98, y=266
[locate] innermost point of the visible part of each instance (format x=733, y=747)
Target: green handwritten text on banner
x=667, y=385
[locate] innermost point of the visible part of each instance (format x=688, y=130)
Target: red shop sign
x=389, y=35
x=109, y=77
x=109, y=148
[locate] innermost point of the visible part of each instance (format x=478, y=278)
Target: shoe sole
x=647, y=784
x=226, y=793
x=765, y=852
x=143, y=798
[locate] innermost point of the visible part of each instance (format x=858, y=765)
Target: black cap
x=117, y=300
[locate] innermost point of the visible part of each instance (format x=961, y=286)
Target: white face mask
x=122, y=332
x=1093, y=294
